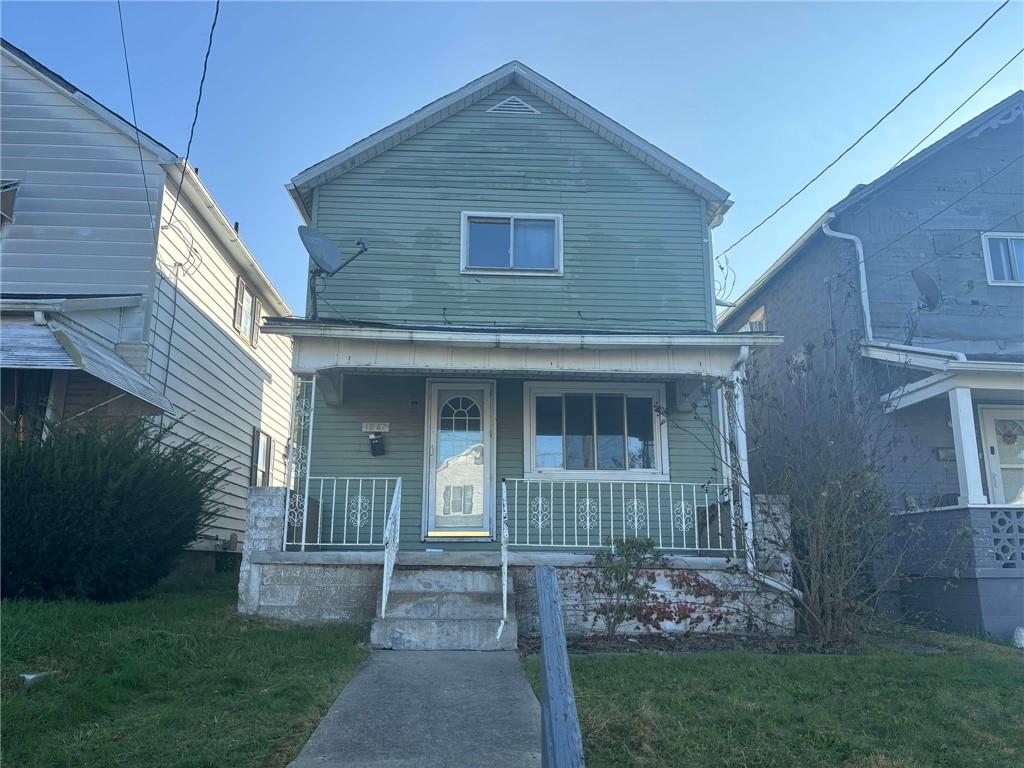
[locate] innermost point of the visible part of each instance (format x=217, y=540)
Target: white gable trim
x=513, y=73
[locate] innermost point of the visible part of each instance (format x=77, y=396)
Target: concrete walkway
x=430, y=709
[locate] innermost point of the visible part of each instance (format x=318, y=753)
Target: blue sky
x=756, y=96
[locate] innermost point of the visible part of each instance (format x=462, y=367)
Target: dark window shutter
x=254, y=462
x=239, y=295
x=257, y=309
x=268, y=469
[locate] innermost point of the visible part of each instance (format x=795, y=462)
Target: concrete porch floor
x=430, y=709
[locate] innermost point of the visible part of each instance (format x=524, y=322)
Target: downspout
x=743, y=467
x=862, y=272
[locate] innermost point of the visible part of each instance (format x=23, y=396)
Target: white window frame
x=985, y=236
x=466, y=269
x=533, y=389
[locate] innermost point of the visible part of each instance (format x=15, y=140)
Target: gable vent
x=513, y=105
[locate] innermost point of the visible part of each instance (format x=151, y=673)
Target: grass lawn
x=927, y=700
x=173, y=680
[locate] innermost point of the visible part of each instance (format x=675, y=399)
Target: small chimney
x=236, y=227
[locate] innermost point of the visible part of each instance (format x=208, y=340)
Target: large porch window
x=595, y=431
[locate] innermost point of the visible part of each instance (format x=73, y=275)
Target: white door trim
x=433, y=386
x=987, y=414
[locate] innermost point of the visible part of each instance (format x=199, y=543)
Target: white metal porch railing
x=699, y=519
x=392, y=534
x=328, y=512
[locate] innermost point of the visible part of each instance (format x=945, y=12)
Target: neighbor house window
x=248, y=313
x=758, y=321
x=1004, y=257
x=8, y=192
x=261, y=467
x=512, y=242
x=595, y=431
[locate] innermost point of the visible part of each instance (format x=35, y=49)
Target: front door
x=1002, y=431
x=459, y=498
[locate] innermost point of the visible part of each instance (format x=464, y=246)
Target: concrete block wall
x=281, y=586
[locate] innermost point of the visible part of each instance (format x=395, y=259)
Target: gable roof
x=1002, y=112
x=512, y=73
x=192, y=187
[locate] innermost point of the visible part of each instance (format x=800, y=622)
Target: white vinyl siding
x=82, y=223
x=224, y=386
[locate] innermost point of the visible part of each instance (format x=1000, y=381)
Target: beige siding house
x=121, y=297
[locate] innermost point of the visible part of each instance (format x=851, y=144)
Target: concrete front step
x=404, y=634
x=449, y=609
x=446, y=605
x=446, y=580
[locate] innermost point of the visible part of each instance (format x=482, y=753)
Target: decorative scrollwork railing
x=391, y=536
x=697, y=518
x=333, y=512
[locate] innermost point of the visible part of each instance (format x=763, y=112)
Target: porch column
x=965, y=443
x=738, y=427
x=299, y=452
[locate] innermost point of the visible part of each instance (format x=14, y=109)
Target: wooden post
x=562, y=745
x=965, y=443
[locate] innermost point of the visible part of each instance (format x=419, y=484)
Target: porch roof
x=320, y=345
x=1003, y=378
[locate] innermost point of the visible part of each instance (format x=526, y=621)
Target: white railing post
x=739, y=426
x=504, y=558
x=392, y=532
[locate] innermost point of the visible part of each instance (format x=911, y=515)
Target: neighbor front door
x=459, y=451
x=1002, y=432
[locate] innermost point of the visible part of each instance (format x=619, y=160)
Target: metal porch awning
x=55, y=346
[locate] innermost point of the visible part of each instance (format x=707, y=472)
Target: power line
x=199, y=99
x=992, y=77
x=864, y=135
x=135, y=123
x=935, y=215
x=939, y=254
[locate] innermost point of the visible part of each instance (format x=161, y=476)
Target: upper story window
x=758, y=321
x=248, y=312
x=1004, y=257
x=528, y=243
x=590, y=431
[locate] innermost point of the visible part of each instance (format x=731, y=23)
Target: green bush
x=100, y=511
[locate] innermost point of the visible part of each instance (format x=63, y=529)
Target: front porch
x=964, y=505
x=473, y=450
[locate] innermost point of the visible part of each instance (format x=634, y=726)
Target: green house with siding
x=523, y=367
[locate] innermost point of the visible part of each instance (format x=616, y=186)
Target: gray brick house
x=924, y=269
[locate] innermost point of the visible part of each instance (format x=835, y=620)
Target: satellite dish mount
x=327, y=259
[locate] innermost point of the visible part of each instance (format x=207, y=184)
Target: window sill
x=1008, y=283
x=512, y=272
x=599, y=476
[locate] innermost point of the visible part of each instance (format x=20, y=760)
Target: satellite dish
x=931, y=296
x=327, y=257
x=322, y=250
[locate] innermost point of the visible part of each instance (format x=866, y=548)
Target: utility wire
x=864, y=135
x=992, y=77
x=195, y=115
x=135, y=122
x=935, y=215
